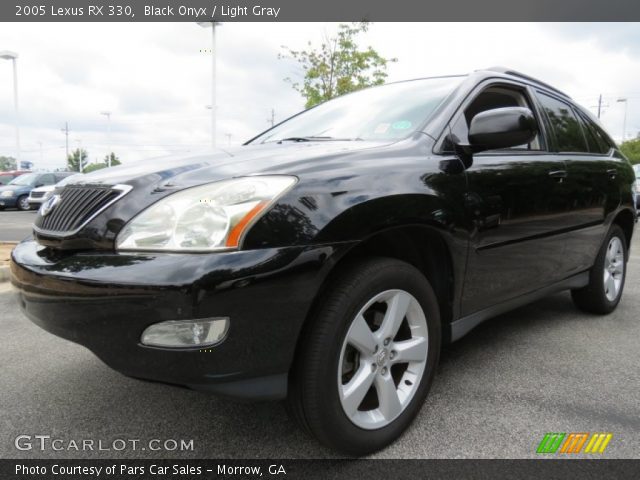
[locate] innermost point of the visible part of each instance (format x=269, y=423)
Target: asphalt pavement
x=542, y=368
x=15, y=225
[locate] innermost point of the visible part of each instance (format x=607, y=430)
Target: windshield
x=27, y=179
x=388, y=112
x=68, y=179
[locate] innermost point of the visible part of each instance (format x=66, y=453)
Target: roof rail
x=509, y=71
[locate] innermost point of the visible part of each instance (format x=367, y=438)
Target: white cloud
x=156, y=81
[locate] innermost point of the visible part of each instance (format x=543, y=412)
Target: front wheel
x=23, y=203
x=606, y=278
x=368, y=357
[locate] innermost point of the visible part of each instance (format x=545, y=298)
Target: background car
x=636, y=189
x=6, y=177
x=40, y=194
x=16, y=193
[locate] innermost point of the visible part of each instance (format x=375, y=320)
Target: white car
x=40, y=195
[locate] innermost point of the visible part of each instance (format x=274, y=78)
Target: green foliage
x=631, y=150
x=104, y=164
x=8, y=163
x=338, y=66
x=115, y=160
x=73, y=160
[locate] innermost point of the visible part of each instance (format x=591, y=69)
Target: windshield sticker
x=381, y=128
x=401, y=125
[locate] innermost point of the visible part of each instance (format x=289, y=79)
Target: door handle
x=559, y=175
x=612, y=172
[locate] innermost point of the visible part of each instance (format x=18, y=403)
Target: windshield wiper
x=312, y=138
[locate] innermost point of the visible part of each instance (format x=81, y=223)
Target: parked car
x=6, y=177
x=39, y=195
x=328, y=259
x=16, y=193
x=636, y=189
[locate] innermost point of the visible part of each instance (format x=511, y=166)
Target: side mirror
x=502, y=128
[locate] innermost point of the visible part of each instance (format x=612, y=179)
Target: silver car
x=39, y=195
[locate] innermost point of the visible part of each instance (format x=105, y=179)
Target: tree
x=8, y=163
x=73, y=160
x=339, y=66
x=114, y=159
x=104, y=164
x=631, y=149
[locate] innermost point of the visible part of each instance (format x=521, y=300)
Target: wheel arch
x=423, y=246
x=625, y=220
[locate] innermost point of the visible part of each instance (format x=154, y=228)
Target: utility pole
x=65, y=130
x=600, y=106
x=272, y=120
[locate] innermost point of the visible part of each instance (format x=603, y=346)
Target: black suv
x=327, y=259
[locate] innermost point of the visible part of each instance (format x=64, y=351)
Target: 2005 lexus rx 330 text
x=327, y=259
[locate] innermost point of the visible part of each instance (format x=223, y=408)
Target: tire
x=323, y=395
x=607, y=276
x=22, y=203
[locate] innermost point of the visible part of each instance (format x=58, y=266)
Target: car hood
x=291, y=158
x=14, y=188
x=46, y=188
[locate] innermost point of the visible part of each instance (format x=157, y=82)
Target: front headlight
x=205, y=218
x=47, y=195
x=7, y=193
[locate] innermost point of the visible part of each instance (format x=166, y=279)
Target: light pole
x=108, y=115
x=80, y=165
x=7, y=55
x=213, y=26
x=624, y=122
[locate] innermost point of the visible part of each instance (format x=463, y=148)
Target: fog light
x=186, y=333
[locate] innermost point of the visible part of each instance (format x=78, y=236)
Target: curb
x=4, y=274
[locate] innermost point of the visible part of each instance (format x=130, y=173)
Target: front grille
x=37, y=194
x=78, y=205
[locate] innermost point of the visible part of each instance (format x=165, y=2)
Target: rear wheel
x=606, y=279
x=23, y=203
x=368, y=357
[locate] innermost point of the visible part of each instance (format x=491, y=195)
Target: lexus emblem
x=49, y=205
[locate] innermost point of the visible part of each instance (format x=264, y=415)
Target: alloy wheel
x=613, y=269
x=383, y=359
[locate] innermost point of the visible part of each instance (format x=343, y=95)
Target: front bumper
x=35, y=203
x=8, y=202
x=105, y=300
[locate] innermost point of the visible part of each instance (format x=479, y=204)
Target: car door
x=591, y=183
x=515, y=202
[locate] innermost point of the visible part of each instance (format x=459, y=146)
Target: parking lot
x=542, y=368
x=15, y=225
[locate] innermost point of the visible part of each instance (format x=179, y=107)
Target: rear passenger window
x=568, y=132
x=596, y=139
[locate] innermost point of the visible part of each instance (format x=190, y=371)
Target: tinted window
x=569, y=136
x=47, y=179
x=596, y=138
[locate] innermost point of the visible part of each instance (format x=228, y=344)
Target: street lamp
x=624, y=123
x=7, y=55
x=108, y=115
x=213, y=26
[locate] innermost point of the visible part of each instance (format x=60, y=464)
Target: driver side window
x=489, y=99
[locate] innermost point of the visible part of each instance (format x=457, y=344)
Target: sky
x=155, y=78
